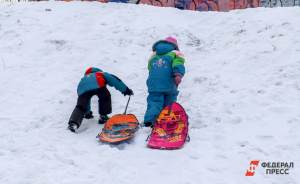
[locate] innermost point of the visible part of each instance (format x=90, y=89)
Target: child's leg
x=80, y=109
x=171, y=97
x=104, y=101
x=155, y=103
x=88, y=107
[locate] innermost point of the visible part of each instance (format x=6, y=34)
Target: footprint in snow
x=194, y=157
x=243, y=143
x=66, y=91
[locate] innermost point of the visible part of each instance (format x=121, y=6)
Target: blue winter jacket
x=95, y=78
x=162, y=66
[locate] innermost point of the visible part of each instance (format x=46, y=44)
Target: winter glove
x=177, y=79
x=127, y=92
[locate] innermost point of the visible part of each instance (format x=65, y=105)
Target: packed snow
x=241, y=92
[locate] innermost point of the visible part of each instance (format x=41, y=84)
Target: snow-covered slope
x=241, y=91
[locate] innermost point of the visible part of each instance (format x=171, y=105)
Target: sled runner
x=170, y=130
x=119, y=127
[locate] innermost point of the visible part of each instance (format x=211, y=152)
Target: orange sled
x=119, y=127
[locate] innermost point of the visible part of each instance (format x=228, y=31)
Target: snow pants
x=83, y=104
x=156, y=101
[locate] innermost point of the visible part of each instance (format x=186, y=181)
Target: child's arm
x=115, y=82
x=149, y=60
x=178, y=64
x=178, y=67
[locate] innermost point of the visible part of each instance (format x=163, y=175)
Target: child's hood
x=92, y=70
x=162, y=47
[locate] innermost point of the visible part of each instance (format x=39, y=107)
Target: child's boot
x=75, y=119
x=148, y=124
x=73, y=126
x=103, y=119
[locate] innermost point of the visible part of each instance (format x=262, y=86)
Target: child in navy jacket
x=93, y=83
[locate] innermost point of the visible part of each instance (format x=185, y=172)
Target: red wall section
x=205, y=5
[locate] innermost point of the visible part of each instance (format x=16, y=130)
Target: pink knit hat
x=172, y=40
x=169, y=39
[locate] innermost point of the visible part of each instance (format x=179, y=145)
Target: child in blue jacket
x=166, y=69
x=94, y=83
